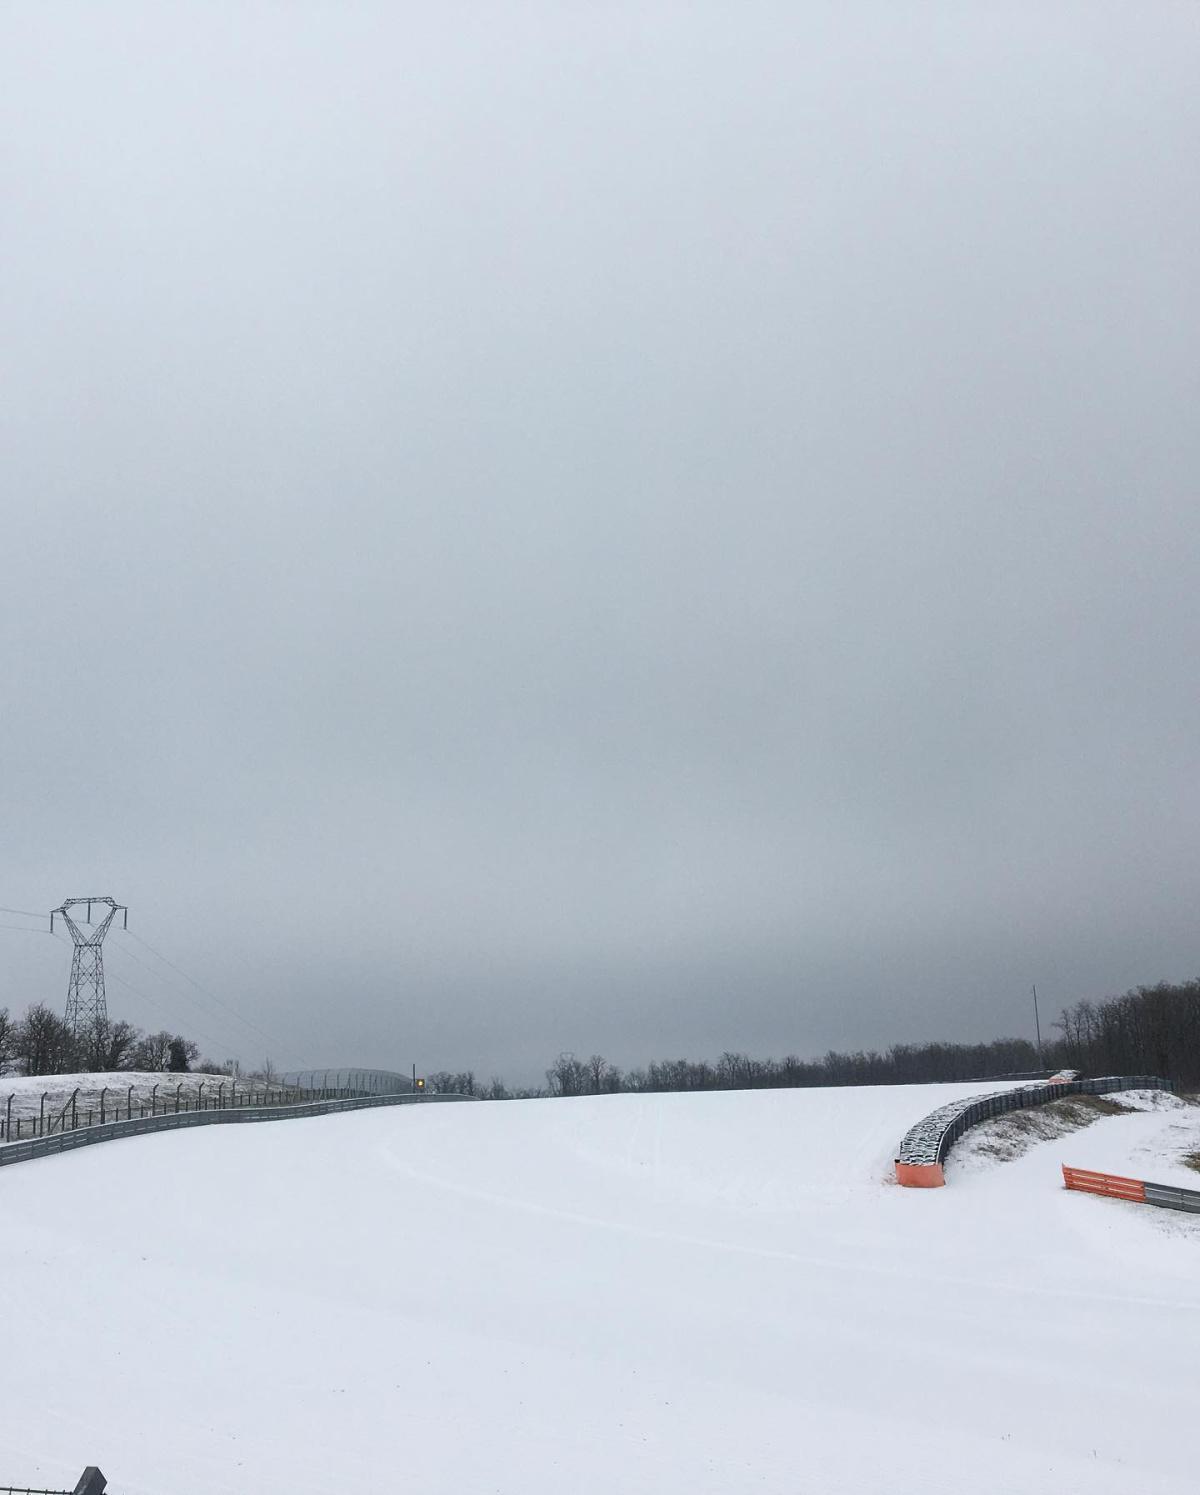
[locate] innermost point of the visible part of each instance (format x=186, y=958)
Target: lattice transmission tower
x=85, y=995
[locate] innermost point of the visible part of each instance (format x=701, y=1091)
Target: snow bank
x=27, y=1091
x=668, y=1294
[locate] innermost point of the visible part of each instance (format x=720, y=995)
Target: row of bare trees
x=901, y=1064
x=40, y=1043
x=1150, y=1030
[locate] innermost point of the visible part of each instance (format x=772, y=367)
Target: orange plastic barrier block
x=1111, y=1185
x=920, y=1175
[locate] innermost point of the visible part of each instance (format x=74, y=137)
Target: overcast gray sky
x=649, y=528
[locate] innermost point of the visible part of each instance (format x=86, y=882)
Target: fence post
x=8, y=1119
x=75, y=1108
x=42, y=1115
x=154, y=1101
x=103, y=1093
x=178, y=1096
x=91, y=1482
x=128, y=1104
x=200, y=1097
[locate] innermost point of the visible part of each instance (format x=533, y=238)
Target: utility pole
x=86, y=1002
x=1038, y=1024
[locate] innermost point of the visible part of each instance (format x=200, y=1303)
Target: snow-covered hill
x=122, y=1087
x=701, y=1294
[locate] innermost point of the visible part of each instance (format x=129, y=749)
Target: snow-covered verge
x=676, y=1293
x=1006, y=1137
x=27, y=1091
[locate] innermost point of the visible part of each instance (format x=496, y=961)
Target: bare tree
x=182, y=1053
x=567, y=1075
x=597, y=1069
x=43, y=1043
x=152, y=1051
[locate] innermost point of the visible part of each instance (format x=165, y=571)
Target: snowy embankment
x=27, y=1091
x=678, y=1293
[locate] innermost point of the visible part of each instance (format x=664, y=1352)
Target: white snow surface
x=27, y=1090
x=671, y=1293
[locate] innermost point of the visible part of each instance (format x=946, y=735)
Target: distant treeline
x=1150, y=1030
x=40, y=1043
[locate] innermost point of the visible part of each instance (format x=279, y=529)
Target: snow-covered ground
x=701, y=1294
x=27, y=1091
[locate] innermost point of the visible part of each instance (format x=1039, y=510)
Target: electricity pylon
x=85, y=995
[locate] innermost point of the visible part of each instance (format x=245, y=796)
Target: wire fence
x=111, y=1103
x=84, y=1135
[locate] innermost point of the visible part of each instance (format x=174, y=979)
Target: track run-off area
x=673, y=1293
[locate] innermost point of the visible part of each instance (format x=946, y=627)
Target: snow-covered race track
x=711, y=1293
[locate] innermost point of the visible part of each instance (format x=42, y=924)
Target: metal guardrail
x=112, y=1131
x=1167, y=1197
x=927, y=1144
x=1134, y=1190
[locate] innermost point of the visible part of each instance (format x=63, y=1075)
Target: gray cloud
x=621, y=527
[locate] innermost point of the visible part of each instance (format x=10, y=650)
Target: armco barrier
x=1135, y=1190
x=111, y=1131
x=922, y=1153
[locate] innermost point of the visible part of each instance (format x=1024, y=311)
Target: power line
x=212, y=996
x=281, y=1049
x=154, y=1002
x=207, y=1037
x=221, y=1043
x=274, y=1042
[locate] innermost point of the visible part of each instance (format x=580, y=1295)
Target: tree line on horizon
x=41, y=1043
x=1148, y=1030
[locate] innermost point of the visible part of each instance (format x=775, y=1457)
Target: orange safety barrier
x=1112, y=1185
x=920, y=1175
